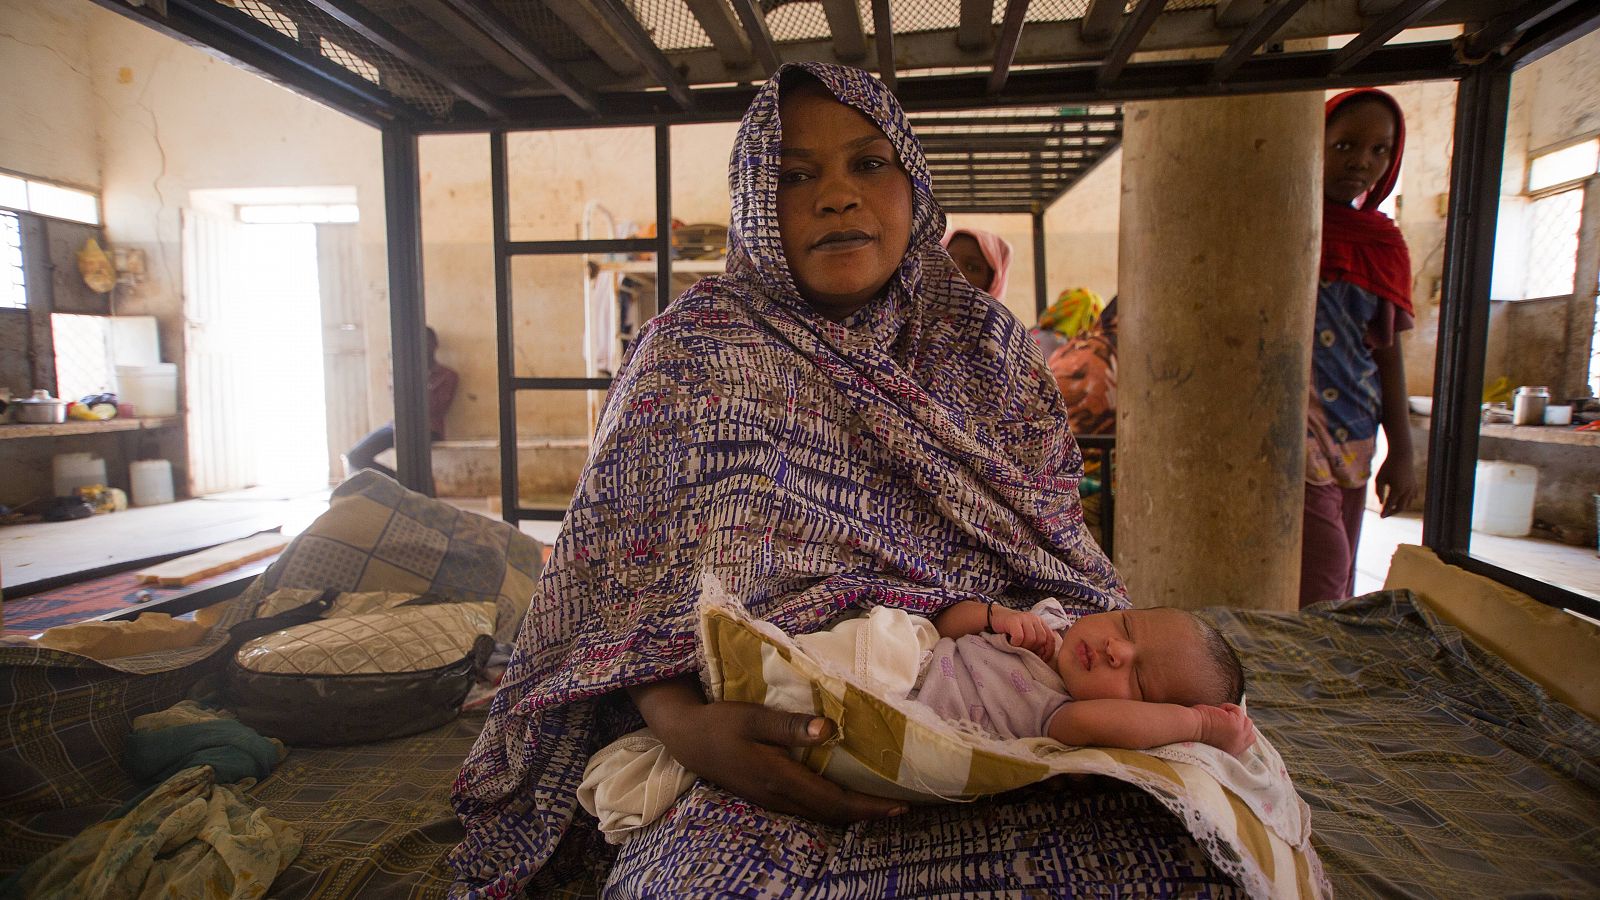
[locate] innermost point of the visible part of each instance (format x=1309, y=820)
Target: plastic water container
x=76, y=470
x=153, y=390
x=1503, y=498
x=152, y=481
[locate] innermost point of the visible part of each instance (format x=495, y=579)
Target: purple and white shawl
x=914, y=455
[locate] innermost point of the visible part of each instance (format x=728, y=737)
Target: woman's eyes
x=866, y=164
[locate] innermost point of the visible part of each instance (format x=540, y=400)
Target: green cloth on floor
x=191, y=837
x=188, y=734
x=234, y=750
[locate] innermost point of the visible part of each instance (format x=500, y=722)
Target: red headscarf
x=1359, y=244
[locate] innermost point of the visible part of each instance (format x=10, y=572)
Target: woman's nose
x=837, y=195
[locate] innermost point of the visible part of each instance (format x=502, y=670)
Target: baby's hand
x=1226, y=727
x=1023, y=629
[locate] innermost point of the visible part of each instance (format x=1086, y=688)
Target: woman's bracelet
x=988, y=618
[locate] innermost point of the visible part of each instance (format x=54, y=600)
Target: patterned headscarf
x=914, y=455
x=1073, y=313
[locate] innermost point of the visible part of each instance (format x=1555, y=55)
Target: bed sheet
x=1432, y=768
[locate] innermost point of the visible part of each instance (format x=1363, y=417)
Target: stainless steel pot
x=41, y=409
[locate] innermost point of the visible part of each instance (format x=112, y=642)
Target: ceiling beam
x=844, y=23
x=977, y=140
x=1057, y=44
x=1392, y=23
x=259, y=48
x=1133, y=31
x=503, y=32
x=616, y=14
x=385, y=36
x=443, y=15
x=724, y=31
x=1233, y=13
x=1100, y=20
x=1546, y=37
x=977, y=25
x=1006, y=49
x=755, y=28
x=1258, y=32
x=591, y=27
x=920, y=122
x=1068, y=85
x=883, y=36
x=1504, y=29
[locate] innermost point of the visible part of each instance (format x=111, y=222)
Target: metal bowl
x=40, y=409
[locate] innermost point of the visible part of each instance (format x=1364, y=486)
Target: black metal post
x=663, y=216
x=505, y=342
x=1482, y=104
x=402, y=190
x=1481, y=108
x=1040, y=290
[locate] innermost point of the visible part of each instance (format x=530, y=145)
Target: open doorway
x=267, y=338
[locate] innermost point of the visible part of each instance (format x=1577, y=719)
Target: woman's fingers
x=780, y=783
x=786, y=729
x=795, y=789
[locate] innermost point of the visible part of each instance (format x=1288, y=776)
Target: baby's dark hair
x=1227, y=673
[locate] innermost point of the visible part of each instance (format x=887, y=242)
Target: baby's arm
x=1137, y=725
x=1022, y=629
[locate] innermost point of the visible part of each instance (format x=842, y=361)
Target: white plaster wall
x=1018, y=232
x=1562, y=92
x=173, y=120
x=48, y=101
x=1424, y=189
x=1081, y=232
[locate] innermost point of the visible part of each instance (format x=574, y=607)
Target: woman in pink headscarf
x=982, y=256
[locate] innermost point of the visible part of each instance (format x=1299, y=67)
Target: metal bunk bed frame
x=417, y=67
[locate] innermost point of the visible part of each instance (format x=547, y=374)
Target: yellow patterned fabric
x=405, y=639
x=890, y=746
x=190, y=838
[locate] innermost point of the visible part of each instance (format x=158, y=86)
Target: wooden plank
x=79, y=426
x=219, y=559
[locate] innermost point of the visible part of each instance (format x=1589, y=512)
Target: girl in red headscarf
x=1358, y=377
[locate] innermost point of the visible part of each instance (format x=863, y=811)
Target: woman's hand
x=744, y=748
x=1396, y=483
x=1023, y=629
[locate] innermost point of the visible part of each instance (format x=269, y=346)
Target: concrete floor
x=1575, y=568
x=49, y=550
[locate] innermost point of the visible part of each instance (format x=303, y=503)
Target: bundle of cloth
x=192, y=832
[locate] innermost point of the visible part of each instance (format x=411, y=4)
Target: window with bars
x=13, y=282
x=1553, y=222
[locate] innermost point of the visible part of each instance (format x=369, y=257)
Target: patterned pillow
x=379, y=536
x=1244, y=813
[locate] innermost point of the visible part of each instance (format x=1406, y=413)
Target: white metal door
x=220, y=456
x=344, y=344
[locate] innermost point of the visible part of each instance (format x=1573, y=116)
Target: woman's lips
x=842, y=241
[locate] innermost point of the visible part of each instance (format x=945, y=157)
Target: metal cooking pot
x=41, y=409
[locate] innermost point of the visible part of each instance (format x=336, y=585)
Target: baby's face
x=1154, y=655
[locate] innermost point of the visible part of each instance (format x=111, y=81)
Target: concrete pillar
x=1220, y=242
